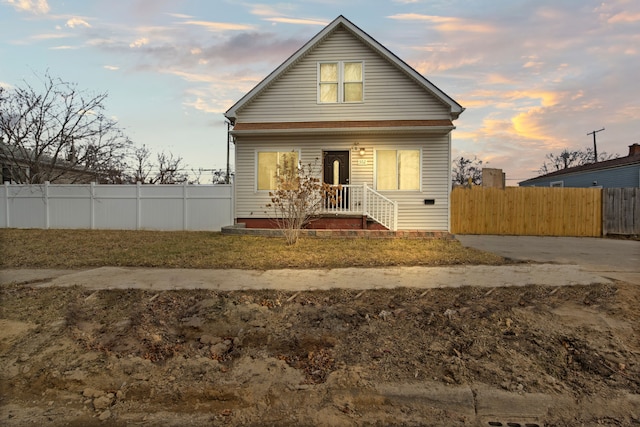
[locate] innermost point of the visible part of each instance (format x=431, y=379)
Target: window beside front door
x=272, y=164
x=398, y=169
x=340, y=82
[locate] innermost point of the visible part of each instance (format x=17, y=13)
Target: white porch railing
x=362, y=200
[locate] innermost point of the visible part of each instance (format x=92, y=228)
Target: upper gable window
x=340, y=82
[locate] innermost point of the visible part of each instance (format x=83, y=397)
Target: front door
x=336, y=173
x=336, y=167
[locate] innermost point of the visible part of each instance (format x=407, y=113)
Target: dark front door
x=336, y=167
x=336, y=174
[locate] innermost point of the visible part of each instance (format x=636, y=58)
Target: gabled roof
x=341, y=21
x=591, y=167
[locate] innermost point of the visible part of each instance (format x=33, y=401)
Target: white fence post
x=92, y=205
x=138, y=205
x=46, y=205
x=184, y=206
x=232, y=205
x=6, y=204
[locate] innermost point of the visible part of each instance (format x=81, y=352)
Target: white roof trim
x=346, y=130
x=456, y=108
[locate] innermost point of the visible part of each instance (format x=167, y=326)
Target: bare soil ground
x=70, y=356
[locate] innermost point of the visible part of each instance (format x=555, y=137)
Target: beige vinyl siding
x=389, y=94
x=412, y=212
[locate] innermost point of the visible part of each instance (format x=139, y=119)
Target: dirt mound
x=78, y=357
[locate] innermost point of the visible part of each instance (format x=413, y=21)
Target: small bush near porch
x=177, y=249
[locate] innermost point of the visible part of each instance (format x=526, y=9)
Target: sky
x=535, y=76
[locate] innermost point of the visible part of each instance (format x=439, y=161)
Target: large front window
x=398, y=169
x=272, y=164
x=340, y=82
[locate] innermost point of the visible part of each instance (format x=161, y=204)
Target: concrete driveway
x=613, y=258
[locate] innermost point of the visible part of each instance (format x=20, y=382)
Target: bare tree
x=220, y=176
x=170, y=170
x=571, y=158
x=141, y=164
x=298, y=198
x=59, y=132
x=466, y=172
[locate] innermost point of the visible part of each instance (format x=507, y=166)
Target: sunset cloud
x=533, y=76
x=624, y=17
x=77, y=22
x=447, y=23
x=139, y=43
x=37, y=7
x=299, y=21
x=219, y=26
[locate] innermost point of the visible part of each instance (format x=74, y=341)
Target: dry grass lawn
x=94, y=248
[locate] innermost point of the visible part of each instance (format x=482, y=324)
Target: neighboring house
x=623, y=172
x=15, y=168
x=378, y=128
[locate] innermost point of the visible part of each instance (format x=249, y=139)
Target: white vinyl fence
x=116, y=207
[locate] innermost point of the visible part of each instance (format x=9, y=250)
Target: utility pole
x=595, y=149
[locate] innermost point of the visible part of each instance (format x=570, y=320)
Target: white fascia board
x=348, y=130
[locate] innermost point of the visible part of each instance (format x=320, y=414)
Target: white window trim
x=341, y=82
x=556, y=184
x=268, y=150
x=375, y=168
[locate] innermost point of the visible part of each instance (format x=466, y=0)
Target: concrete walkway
x=296, y=280
x=559, y=261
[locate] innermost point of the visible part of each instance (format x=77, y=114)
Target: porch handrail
x=364, y=200
x=381, y=208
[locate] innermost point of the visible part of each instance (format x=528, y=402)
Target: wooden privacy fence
x=527, y=211
x=621, y=211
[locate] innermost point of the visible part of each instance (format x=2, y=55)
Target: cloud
x=495, y=78
x=624, y=17
x=205, y=105
x=281, y=14
x=270, y=10
x=64, y=47
x=139, y=43
x=50, y=36
x=447, y=23
x=300, y=21
x=38, y=7
x=219, y=26
x=433, y=65
x=180, y=15
x=111, y=67
x=77, y=22
x=191, y=77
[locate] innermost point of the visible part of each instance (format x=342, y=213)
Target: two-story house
x=377, y=126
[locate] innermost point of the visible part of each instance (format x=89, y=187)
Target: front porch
x=346, y=207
